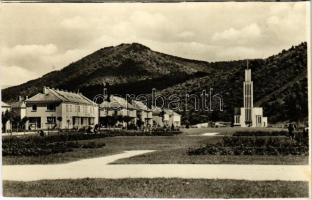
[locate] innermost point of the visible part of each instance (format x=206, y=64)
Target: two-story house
x=55, y=108
x=144, y=114
x=118, y=110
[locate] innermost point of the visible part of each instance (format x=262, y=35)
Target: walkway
x=100, y=168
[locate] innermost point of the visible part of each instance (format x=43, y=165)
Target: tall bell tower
x=248, y=96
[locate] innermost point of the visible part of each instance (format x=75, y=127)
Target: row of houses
x=59, y=109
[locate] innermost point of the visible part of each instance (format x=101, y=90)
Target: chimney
x=26, y=97
x=45, y=90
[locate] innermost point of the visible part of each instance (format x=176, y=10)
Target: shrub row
x=35, y=145
x=16, y=147
x=261, y=133
x=252, y=146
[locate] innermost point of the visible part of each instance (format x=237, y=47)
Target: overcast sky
x=38, y=38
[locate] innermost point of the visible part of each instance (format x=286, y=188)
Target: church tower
x=248, y=96
x=248, y=115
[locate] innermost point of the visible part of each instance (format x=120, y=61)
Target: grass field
x=180, y=156
x=157, y=188
x=113, y=145
x=226, y=130
x=170, y=149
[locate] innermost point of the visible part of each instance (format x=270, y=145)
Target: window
x=70, y=108
x=34, y=108
x=51, y=120
x=51, y=107
x=77, y=108
x=67, y=108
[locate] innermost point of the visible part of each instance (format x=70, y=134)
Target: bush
x=37, y=145
x=253, y=146
x=261, y=133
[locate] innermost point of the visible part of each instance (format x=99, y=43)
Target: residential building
x=158, y=116
x=117, y=112
x=249, y=116
x=173, y=120
x=54, y=108
x=144, y=114
x=165, y=118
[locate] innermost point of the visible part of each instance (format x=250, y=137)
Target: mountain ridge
x=137, y=69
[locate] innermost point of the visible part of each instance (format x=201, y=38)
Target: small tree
x=24, y=121
x=6, y=116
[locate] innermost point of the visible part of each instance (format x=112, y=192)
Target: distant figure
x=291, y=129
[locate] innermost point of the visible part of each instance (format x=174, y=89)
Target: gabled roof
x=171, y=112
x=3, y=104
x=140, y=105
x=40, y=97
x=58, y=96
x=156, y=110
x=117, y=102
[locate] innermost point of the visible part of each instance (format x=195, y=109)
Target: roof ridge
x=56, y=93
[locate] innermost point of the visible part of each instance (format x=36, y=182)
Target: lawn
x=226, y=130
x=180, y=156
x=170, y=149
x=157, y=188
x=113, y=145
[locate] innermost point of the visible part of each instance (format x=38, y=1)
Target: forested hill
x=279, y=81
x=280, y=86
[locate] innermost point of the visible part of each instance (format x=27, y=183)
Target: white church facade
x=249, y=116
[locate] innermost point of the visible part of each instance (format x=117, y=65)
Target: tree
x=6, y=116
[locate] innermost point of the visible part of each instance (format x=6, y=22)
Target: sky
x=38, y=38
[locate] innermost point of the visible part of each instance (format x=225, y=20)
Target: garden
x=38, y=145
x=237, y=145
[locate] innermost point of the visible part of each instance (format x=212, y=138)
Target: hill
x=134, y=68
x=280, y=86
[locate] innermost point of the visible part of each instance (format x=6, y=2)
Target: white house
x=120, y=109
x=174, y=118
x=165, y=117
x=158, y=116
x=144, y=114
x=249, y=116
x=60, y=109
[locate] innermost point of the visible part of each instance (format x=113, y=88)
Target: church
x=249, y=116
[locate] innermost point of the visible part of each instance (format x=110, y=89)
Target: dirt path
x=100, y=168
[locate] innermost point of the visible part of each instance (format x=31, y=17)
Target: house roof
x=140, y=106
x=156, y=110
x=3, y=104
x=170, y=112
x=55, y=95
x=116, y=102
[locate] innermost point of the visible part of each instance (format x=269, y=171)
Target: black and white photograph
x=156, y=100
